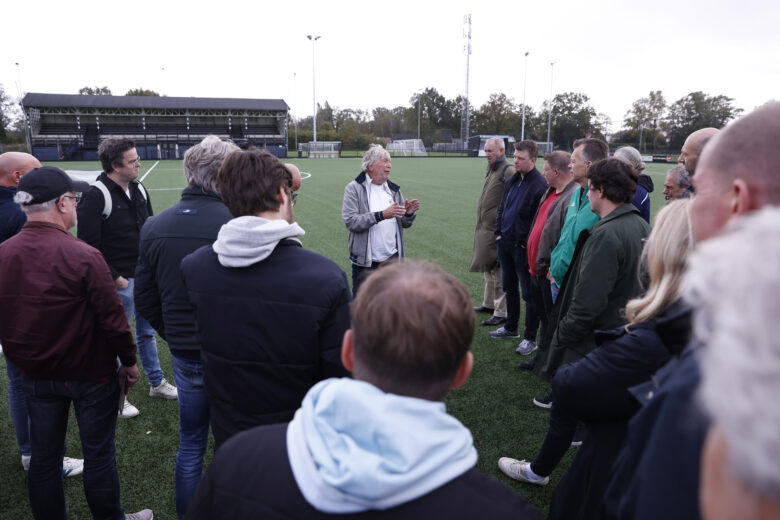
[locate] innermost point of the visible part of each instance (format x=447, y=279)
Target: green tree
x=572, y=118
x=141, y=92
x=495, y=116
x=11, y=119
x=698, y=110
x=645, y=115
x=97, y=91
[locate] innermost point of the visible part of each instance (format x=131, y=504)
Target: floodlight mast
x=525, y=82
x=464, y=126
x=313, y=84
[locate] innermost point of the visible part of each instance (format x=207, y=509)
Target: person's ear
x=464, y=371
x=348, y=350
x=741, y=200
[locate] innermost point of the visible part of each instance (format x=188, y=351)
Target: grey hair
x=497, y=141
x=683, y=176
x=736, y=320
x=202, y=162
x=23, y=197
x=373, y=155
x=630, y=155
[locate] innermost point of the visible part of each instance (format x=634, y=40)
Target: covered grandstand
x=70, y=127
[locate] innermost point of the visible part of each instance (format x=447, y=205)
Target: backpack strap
x=108, y=204
x=106, y=198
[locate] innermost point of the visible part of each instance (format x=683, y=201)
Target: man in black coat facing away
x=270, y=314
x=380, y=445
x=161, y=297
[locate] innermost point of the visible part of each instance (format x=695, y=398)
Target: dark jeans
x=540, y=288
x=360, y=273
x=557, y=441
x=514, y=269
x=96, y=405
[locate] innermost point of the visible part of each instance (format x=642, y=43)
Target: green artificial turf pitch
x=495, y=404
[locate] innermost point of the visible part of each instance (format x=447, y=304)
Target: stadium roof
x=152, y=102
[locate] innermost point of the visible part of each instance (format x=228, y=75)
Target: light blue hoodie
x=353, y=447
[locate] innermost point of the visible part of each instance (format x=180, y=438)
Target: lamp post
x=549, y=106
x=313, y=95
x=419, y=99
x=525, y=82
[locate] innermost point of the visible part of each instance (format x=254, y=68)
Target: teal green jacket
x=579, y=217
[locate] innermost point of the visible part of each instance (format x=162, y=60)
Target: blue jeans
x=193, y=427
x=18, y=406
x=144, y=336
x=514, y=272
x=96, y=405
x=554, y=291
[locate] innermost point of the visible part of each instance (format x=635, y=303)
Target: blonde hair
x=664, y=256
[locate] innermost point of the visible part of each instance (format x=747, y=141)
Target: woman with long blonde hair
x=595, y=389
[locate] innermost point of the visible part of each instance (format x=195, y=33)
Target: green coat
x=578, y=218
x=602, y=278
x=485, y=255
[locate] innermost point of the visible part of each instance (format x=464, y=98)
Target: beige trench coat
x=485, y=255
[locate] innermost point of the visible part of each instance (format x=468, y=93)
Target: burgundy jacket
x=60, y=314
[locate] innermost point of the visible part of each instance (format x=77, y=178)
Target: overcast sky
x=380, y=53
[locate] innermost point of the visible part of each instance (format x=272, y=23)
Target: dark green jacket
x=602, y=278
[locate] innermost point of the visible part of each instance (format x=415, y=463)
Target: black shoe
x=543, y=402
x=482, y=308
x=527, y=365
x=579, y=435
x=494, y=320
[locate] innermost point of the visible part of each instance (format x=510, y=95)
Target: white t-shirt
x=381, y=236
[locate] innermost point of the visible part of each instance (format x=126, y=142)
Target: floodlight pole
x=419, y=98
x=549, y=106
x=525, y=82
x=295, y=103
x=313, y=95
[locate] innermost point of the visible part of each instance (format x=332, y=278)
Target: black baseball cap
x=47, y=183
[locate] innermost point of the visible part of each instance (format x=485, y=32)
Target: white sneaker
x=521, y=470
x=128, y=411
x=526, y=347
x=72, y=467
x=146, y=514
x=164, y=390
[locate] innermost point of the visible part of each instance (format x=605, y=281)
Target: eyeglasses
x=294, y=198
x=76, y=198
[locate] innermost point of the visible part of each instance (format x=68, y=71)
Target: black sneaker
x=501, y=333
x=493, y=321
x=527, y=365
x=543, y=402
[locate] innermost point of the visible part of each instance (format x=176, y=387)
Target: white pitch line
x=150, y=171
x=307, y=175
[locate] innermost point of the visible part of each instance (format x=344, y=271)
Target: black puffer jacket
x=595, y=390
x=160, y=294
x=251, y=478
x=269, y=332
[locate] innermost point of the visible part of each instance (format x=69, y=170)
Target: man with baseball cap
x=64, y=326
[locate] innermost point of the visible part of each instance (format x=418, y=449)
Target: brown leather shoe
x=482, y=308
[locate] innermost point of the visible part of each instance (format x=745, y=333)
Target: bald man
x=657, y=473
x=693, y=146
x=296, y=175
x=12, y=166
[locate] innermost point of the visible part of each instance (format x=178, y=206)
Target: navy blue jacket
x=117, y=236
x=595, y=390
x=656, y=474
x=160, y=294
x=535, y=186
x=12, y=218
x=250, y=477
x=268, y=332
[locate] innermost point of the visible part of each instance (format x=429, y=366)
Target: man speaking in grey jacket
x=375, y=213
